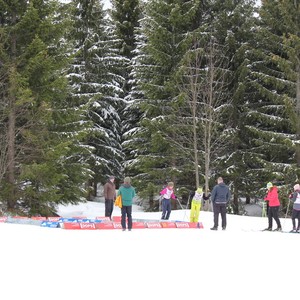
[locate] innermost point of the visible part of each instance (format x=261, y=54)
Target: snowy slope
x=239, y=263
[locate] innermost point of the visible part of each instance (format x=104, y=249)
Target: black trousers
x=109, y=207
x=126, y=211
x=273, y=214
x=296, y=215
x=219, y=208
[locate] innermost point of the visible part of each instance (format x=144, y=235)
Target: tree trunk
x=11, y=136
x=248, y=199
x=298, y=114
x=195, y=143
x=235, y=201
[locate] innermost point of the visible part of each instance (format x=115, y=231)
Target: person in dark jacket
x=109, y=196
x=295, y=198
x=127, y=193
x=220, y=196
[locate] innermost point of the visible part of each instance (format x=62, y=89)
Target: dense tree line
x=158, y=90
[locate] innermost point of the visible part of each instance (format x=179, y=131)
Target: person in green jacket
x=127, y=193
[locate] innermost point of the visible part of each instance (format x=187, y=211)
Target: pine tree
x=234, y=25
x=39, y=174
x=165, y=36
x=125, y=15
x=98, y=84
x=268, y=111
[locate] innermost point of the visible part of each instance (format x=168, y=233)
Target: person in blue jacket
x=220, y=197
x=127, y=193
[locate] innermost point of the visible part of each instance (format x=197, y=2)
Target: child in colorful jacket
x=196, y=205
x=295, y=197
x=272, y=197
x=167, y=194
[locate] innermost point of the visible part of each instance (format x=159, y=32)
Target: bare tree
x=203, y=88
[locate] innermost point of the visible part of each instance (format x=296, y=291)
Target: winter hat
x=111, y=177
x=127, y=180
x=199, y=190
x=170, y=183
x=269, y=185
x=297, y=187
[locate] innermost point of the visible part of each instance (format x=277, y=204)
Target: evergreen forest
x=158, y=90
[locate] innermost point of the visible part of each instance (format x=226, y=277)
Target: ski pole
x=287, y=210
x=263, y=213
x=179, y=203
x=187, y=206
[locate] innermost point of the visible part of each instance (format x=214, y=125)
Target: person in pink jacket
x=274, y=203
x=167, y=194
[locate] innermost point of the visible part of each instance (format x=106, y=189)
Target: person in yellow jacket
x=196, y=205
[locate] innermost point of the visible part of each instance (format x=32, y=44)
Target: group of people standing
x=220, y=197
x=127, y=193
x=272, y=199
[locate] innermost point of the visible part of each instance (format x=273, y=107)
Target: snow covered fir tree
x=158, y=90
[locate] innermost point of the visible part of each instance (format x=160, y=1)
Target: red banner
x=103, y=219
x=71, y=225
x=168, y=224
x=105, y=225
x=155, y=225
x=138, y=225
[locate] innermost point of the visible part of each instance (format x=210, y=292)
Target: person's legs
x=110, y=208
x=270, y=218
x=192, y=213
x=168, y=209
x=294, y=216
x=106, y=208
x=216, y=208
x=164, y=208
x=298, y=217
x=197, y=211
x=223, y=215
x=123, y=218
x=276, y=217
x=129, y=216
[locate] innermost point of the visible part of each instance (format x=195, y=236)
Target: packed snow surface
x=239, y=263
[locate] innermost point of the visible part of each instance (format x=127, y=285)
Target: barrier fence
x=84, y=223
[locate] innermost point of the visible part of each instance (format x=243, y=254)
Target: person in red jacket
x=272, y=197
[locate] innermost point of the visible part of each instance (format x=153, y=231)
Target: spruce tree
x=42, y=169
x=234, y=25
x=98, y=84
x=270, y=106
x=165, y=36
x=125, y=15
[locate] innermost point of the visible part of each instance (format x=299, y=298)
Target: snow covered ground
x=239, y=263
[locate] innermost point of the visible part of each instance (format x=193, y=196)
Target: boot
x=214, y=228
x=268, y=229
x=278, y=229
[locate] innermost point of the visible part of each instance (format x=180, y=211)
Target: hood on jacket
x=126, y=185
